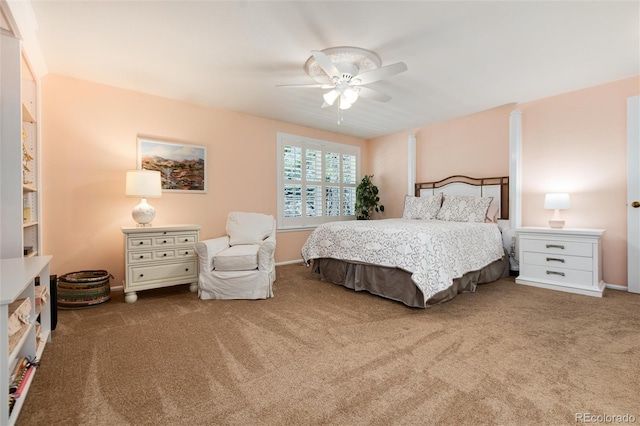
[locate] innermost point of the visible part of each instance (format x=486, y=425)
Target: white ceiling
x=462, y=57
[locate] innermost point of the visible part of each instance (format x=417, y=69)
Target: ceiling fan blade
x=326, y=64
x=379, y=73
x=325, y=105
x=319, y=86
x=368, y=93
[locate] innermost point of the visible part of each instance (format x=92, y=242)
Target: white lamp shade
x=344, y=104
x=331, y=96
x=144, y=183
x=557, y=201
x=351, y=95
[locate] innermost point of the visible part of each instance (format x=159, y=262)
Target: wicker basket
x=83, y=289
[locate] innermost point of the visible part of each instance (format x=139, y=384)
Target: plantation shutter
x=316, y=181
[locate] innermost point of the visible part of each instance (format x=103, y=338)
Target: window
x=316, y=181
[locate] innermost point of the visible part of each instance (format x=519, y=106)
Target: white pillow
x=421, y=207
x=464, y=208
x=248, y=228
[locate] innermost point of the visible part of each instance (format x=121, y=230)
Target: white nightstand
x=568, y=259
x=159, y=256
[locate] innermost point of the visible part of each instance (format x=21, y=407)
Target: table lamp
x=145, y=184
x=557, y=202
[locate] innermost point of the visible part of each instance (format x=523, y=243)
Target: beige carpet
x=318, y=353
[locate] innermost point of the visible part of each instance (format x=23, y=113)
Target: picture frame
x=182, y=166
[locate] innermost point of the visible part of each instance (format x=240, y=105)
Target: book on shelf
x=20, y=376
x=24, y=380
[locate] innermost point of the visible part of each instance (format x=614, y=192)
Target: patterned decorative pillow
x=464, y=208
x=421, y=207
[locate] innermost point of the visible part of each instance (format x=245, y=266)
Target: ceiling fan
x=344, y=71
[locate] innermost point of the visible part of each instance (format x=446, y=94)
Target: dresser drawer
x=168, y=272
x=557, y=275
x=557, y=261
x=573, y=248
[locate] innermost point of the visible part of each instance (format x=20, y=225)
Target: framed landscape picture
x=182, y=166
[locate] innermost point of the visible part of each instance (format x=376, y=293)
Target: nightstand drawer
x=185, y=252
x=572, y=248
x=557, y=261
x=142, y=275
x=186, y=239
x=164, y=254
x=134, y=243
x=140, y=256
x=164, y=241
x=556, y=275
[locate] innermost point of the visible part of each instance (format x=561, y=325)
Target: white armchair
x=240, y=265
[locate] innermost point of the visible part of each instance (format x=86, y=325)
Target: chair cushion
x=243, y=257
x=248, y=228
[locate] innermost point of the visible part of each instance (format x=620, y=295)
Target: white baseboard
x=616, y=287
x=289, y=262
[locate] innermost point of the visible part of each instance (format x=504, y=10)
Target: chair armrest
x=266, y=253
x=207, y=249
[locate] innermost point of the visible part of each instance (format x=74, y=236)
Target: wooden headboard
x=496, y=187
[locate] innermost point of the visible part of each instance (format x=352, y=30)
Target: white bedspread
x=435, y=252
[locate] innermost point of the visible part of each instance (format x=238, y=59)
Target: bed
x=448, y=241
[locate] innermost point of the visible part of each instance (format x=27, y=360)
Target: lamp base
x=557, y=224
x=143, y=213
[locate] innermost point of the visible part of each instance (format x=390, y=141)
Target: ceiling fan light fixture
x=344, y=103
x=331, y=96
x=350, y=94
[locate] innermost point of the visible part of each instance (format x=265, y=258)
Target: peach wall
x=387, y=161
x=576, y=142
x=475, y=145
x=89, y=136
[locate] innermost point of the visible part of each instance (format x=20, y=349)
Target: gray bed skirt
x=396, y=284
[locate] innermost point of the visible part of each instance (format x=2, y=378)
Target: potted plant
x=367, y=200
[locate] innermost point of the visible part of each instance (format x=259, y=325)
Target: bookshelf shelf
x=17, y=282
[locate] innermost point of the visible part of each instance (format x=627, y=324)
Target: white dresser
x=561, y=259
x=159, y=256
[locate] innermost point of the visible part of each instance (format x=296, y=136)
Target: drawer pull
x=554, y=259
x=141, y=275
x=165, y=242
x=187, y=269
x=555, y=273
x=142, y=256
x=558, y=246
x=165, y=254
x=141, y=243
x=186, y=253
x=186, y=240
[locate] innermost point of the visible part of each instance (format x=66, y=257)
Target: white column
x=411, y=165
x=515, y=169
x=633, y=194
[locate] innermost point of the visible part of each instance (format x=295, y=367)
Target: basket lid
x=85, y=276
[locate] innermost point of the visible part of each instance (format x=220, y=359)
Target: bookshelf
x=20, y=224
x=17, y=282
